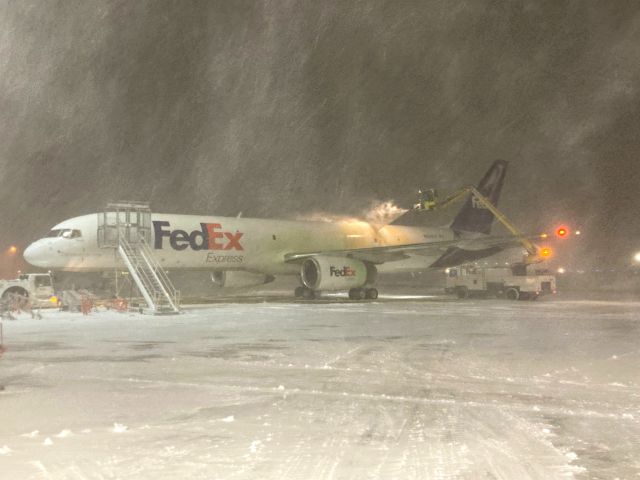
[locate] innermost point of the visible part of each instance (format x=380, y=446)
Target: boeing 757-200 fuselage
x=344, y=255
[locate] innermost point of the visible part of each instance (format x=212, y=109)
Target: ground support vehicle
x=514, y=283
x=36, y=287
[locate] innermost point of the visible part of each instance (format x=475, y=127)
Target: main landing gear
x=362, y=293
x=304, y=292
x=354, y=294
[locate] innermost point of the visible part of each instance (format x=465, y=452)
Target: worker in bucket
x=427, y=200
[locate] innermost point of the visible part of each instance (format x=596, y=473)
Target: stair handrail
x=149, y=282
x=125, y=252
x=162, y=276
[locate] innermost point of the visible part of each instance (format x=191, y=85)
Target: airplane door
x=138, y=225
x=129, y=221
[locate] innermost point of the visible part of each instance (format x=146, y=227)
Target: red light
x=562, y=232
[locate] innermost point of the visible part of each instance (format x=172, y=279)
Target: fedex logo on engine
x=209, y=237
x=341, y=272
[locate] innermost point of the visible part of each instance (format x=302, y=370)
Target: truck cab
x=514, y=283
x=38, y=287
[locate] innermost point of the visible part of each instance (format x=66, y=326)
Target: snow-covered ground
x=411, y=388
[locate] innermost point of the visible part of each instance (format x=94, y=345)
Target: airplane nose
x=33, y=255
x=28, y=254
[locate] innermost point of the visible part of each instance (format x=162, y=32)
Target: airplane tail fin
x=473, y=216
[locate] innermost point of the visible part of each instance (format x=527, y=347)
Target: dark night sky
x=282, y=108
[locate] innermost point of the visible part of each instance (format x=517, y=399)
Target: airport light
x=12, y=260
x=636, y=257
x=562, y=231
x=545, y=252
x=561, y=270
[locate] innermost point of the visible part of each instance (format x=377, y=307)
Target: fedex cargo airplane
x=340, y=256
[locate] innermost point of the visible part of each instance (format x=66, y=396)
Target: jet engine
x=336, y=273
x=237, y=279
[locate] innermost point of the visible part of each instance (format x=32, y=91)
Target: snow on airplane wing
x=390, y=253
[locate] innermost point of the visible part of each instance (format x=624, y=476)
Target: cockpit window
x=64, y=233
x=53, y=233
x=69, y=233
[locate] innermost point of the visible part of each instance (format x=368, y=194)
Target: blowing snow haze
x=281, y=108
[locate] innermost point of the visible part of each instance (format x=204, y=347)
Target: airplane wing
x=390, y=253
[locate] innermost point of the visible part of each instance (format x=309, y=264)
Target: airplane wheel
x=512, y=294
x=357, y=294
x=371, y=293
x=299, y=292
x=308, y=294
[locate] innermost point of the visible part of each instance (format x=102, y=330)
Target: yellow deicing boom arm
x=526, y=243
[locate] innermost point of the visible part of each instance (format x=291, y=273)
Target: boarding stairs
x=125, y=227
x=152, y=281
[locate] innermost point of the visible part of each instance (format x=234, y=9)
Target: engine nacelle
x=336, y=273
x=237, y=279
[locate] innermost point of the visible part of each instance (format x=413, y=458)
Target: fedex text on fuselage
x=210, y=237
